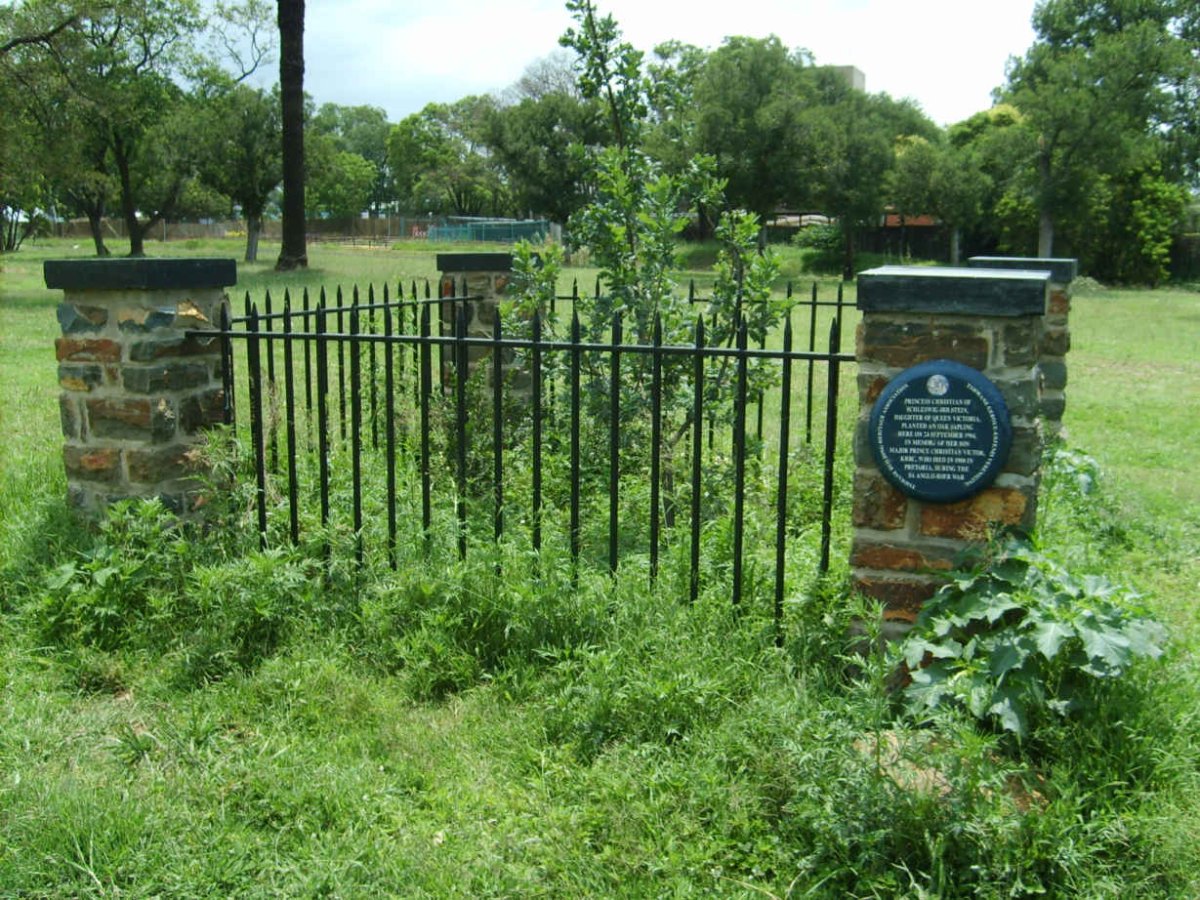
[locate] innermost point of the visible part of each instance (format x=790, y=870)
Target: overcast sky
x=947, y=55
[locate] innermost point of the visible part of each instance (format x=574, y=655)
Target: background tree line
x=143, y=110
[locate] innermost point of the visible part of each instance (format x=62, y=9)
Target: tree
x=440, y=163
x=243, y=154
x=537, y=145
x=852, y=138
x=363, y=131
x=339, y=181
x=750, y=97
x=938, y=179
x=1095, y=88
x=113, y=92
x=114, y=68
x=293, y=254
x=39, y=25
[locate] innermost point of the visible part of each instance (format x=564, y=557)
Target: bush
x=1017, y=637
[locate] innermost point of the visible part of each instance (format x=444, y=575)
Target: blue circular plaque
x=940, y=431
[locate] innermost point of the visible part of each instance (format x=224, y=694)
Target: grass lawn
x=187, y=718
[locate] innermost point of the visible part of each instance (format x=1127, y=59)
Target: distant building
x=854, y=76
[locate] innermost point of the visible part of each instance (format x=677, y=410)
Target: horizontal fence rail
x=638, y=446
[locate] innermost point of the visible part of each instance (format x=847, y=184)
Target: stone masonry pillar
x=1056, y=336
x=992, y=322
x=137, y=388
x=485, y=276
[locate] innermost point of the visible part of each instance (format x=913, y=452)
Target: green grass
x=246, y=727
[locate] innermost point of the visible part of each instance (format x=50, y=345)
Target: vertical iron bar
x=497, y=431
x=416, y=351
x=323, y=406
x=356, y=415
x=426, y=390
x=831, y=401
x=785, y=423
x=655, y=441
x=341, y=352
x=536, y=364
x=446, y=288
x=614, y=441
x=812, y=348
x=271, y=399
x=697, y=453
x=389, y=391
x=289, y=389
x=576, y=354
x=307, y=327
x=739, y=462
x=762, y=345
x=254, y=370
x=460, y=406
x=371, y=368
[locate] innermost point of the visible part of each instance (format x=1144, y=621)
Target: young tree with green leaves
x=631, y=225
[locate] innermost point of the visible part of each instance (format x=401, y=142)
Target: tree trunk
x=1045, y=234
x=293, y=253
x=95, y=217
x=1045, y=216
x=135, y=230
x=253, y=230
x=955, y=245
x=848, y=253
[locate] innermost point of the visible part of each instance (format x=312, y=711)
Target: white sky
x=947, y=55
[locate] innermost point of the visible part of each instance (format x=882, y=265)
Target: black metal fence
x=507, y=435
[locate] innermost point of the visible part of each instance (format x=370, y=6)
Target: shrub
x=1017, y=637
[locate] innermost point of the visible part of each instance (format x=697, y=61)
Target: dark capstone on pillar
x=951, y=452
x=139, y=386
x=1056, y=335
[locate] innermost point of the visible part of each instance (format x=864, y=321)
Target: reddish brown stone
x=906, y=344
x=870, y=387
x=135, y=419
x=92, y=464
x=99, y=350
x=868, y=555
x=877, y=504
x=1060, y=303
x=972, y=519
x=156, y=466
x=902, y=598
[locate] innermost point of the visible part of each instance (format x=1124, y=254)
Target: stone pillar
x=991, y=322
x=138, y=385
x=1056, y=336
x=482, y=275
